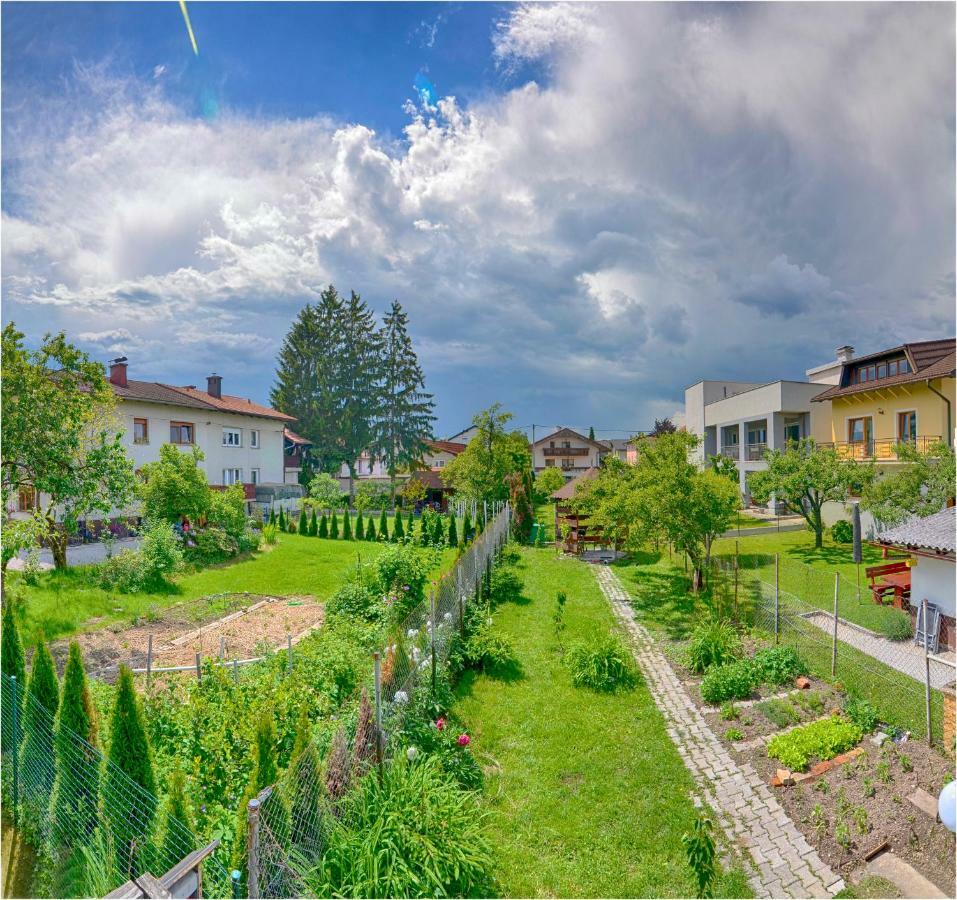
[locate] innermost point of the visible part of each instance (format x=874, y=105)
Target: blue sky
x=595, y=206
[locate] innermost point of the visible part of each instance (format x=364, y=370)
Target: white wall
x=933, y=579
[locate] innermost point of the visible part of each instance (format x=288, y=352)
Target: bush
x=713, y=643
x=731, y=681
x=861, y=713
x=842, y=532
x=779, y=712
x=402, y=571
x=822, y=740
x=271, y=533
x=778, y=665
x=417, y=834
x=897, y=626
x=603, y=664
x=355, y=600
x=489, y=651
x=131, y=571
x=211, y=545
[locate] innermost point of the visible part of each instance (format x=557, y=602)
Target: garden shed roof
x=936, y=532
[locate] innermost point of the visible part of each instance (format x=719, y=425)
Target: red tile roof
x=227, y=403
x=447, y=446
x=155, y=392
x=294, y=438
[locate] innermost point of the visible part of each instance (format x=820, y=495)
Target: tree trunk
x=56, y=538
x=352, y=476
x=818, y=529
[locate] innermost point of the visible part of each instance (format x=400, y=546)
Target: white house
x=569, y=451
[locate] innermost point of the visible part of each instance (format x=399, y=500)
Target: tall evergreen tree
x=467, y=526
x=453, y=533
x=43, y=699
x=346, y=526
x=398, y=532
x=438, y=532
x=77, y=762
x=411, y=523
x=303, y=527
x=370, y=529
x=334, y=527
x=314, y=524
x=405, y=420
x=130, y=812
x=272, y=516
x=282, y=519
x=360, y=526
x=13, y=665
x=323, y=531
x=383, y=525
x=591, y=433
x=307, y=379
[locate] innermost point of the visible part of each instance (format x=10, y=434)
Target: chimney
x=118, y=371
x=844, y=353
x=214, y=385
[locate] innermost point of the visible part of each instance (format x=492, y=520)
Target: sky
x=583, y=208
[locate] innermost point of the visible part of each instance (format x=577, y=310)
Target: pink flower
x=440, y=723
x=464, y=740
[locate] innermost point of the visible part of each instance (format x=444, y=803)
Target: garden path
x=786, y=865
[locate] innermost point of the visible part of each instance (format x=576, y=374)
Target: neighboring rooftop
x=452, y=447
x=567, y=490
x=571, y=433
x=937, y=532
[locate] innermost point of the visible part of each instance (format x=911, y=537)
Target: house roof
x=567, y=490
x=431, y=478
x=294, y=438
x=928, y=359
x=570, y=433
x=241, y=405
x=936, y=532
x=452, y=447
x=190, y=397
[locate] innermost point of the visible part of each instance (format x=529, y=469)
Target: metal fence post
x=149, y=658
x=432, y=635
x=252, y=847
x=199, y=669
x=923, y=604
x=837, y=582
x=235, y=877
x=15, y=716
x=458, y=594
x=735, y=581
x=777, y=598
x=377, y=670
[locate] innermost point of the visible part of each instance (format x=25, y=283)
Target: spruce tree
x=360, y=527
x=334, y=527
x=338, y=768
x=370, y=529
x=130, y=811
x=383, y=525
x=404, y=423
x=346, y=526
x=13, y=665
x=77, y=762
x=306, y=789
x=467, y=527
x=303, y=527
x=591, y=433
x=323, y=527
x=179, y=837
x=43, y=699
x=314, y=525
x=453, y=533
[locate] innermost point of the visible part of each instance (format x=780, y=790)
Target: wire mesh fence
x=84, y=815
x=288, y=822
x=840, y=635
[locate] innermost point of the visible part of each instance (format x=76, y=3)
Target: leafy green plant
x=733, y=734
x=810, y=701
x=818, y=818
x=896, y=625
x=842, y=532
x=883, y=771
x=713, y=643
x=778, y=665
x=861, y=713
x=860, y=819
x=868, y=788
x=906, y=764
x=729, y=712
x=823, y=740
x=603, y=664
x=732, y=681
x=779, y=712
x=488, y=650
x=558, y=616
x=700, y=849
x=822, y=786
x=842, y=835
x=270, y=533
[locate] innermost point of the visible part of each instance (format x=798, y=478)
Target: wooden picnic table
x=900, y=582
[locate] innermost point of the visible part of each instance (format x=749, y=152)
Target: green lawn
x=62, y=603
x=592, y=797
x=545, y=514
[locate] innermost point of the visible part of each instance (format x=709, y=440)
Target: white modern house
x=569, y=451
x=740, y=420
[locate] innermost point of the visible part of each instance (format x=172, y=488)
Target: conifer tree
x=370, y=529
x=323, y=527
x=334, y=527
x=314, y=525
x=40, y=709
x=405, y=418
x=179, y=837
x=383, y=525
x=306, y=788
x=346, y=526
x=398, y=532
x=77, y=763
x=303, y=527
x=130, y=812
x=282, y=519
x=467, y=526
x=453, y=533
x=591, y=433
x=438, y=532
x=411, y=523
x=13, y=665
x=360, y=527
x=272, y=516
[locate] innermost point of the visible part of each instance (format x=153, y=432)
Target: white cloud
x=688, y=177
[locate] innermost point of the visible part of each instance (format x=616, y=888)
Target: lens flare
x=189, y=26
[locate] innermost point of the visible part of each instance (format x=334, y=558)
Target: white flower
x=447, y=617
x=411, y=753
x=412, y=632
x=401, y=697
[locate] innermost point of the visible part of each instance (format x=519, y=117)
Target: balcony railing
x=756, y=451
x=732, y=451
x=885, y=449
x=566, y=451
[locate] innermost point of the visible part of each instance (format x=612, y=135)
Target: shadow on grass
x=664, y=600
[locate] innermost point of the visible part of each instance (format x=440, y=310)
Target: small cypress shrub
x=13, y=665
x=179, y=836
x=282, y=519
x=360, y=526
x=272, y=516
x=303, y=527
x=323, y=527
x=398, y=533
x=130, y=814
x=370, y=529
x=453, y=533
x=383, y=525
x=314, y=525
x=306, y=789
x=411, y=523
x=346, y=526
x=334, y=527
x=43, y=699
x=466, y=527
x=77, y=784
x=438, y=532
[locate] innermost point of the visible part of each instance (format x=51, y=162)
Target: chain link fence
x=288, y=821
x=92, y=825
x=839, y=634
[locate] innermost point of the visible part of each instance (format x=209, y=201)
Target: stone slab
x=909, y=881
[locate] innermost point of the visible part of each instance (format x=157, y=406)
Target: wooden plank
x=125, y=892
x=152, y=887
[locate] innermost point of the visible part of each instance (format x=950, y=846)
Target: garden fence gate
x=287, y=821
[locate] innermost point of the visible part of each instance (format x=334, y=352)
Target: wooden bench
x=880, y=590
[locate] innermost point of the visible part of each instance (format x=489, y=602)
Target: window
x=181, y=432
x=232, y=476
x=26, y=499
x=440, y=463
x=903, y=367
x=550, y=462
x=864, y=374
x=859, y=431
x=892, y=367
x=907, y=426
x=566, y=444
x=141, y=431
x=254, y=439
x=757, y=435
x=254, y=476
x=232, y=437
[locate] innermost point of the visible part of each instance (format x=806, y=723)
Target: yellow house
x=904, y=394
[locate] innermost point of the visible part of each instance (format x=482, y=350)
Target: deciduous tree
x=922, y=486
x=174, y=485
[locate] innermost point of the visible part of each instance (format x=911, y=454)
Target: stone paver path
x=785, y=864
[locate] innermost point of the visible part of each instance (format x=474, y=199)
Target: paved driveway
x=80, y=554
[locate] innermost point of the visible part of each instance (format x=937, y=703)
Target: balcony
x=756, y=451
x=566, y=451
x=731, y=451
x=879, y=450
